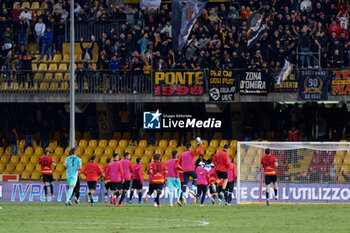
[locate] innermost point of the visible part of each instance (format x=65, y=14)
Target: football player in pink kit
x=115, y=173
x=202, y=183
x=231, y=177
x=172, y=167
x=151, y=187
x=187, y=163
x=128, y=169
x=137, y=180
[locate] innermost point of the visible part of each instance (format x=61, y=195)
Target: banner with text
x=313, y=85
x=253, y=83
x=341, y=82
x=222, y=85
x=178, y=83
x=250, y=192
x=149, y=4
x=288, y=85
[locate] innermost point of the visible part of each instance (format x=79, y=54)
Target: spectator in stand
x=80, y=75
x=334, y=27
x=22, y=31
x=304, y=43
x=114, y=66
x=7, y=37
x=13, y=141
x=90, y=77
x=60, y=34
x=86, y=55
x=305, y=4
x=144, y=42
x=39, y=32
x=136, y=68
x=47, y=44
x=20, y=74
x=8, y=69
x=28, y=70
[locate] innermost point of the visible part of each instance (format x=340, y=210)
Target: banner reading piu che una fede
x=222, y=85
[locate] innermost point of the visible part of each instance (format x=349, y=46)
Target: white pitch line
x=193, y=223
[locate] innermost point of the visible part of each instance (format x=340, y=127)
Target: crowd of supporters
x=308, y=33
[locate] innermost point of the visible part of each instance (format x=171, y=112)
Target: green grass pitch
x=56, y=217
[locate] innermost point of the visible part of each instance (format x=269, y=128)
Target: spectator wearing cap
x=47, y=44
x=39, y=32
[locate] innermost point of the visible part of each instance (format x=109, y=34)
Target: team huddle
x=218, y=174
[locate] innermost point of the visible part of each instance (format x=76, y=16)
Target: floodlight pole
x=71, y=80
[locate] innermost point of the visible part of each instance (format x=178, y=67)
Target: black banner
x=178, y=83
x=256, y=26
x=222, y=85
x=253, y=83
x=341, y=82
x=184, y=16
x=313, y=85
x=288, y=85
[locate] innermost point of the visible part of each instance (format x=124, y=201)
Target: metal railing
x=106, y=81
x=101, y=81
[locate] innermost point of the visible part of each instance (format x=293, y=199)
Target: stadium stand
x=218, y=39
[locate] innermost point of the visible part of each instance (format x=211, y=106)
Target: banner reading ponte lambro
x=341, y=82
x=313, y=85
x=250, y=192
x=178, y=83
x=222, y=85
x=253, y=83
x=290, y=84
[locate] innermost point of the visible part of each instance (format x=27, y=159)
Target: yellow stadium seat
x=233, y=144
x=38, y=151
x=15, y=4
x=25, y=175
x=214, y=143
x=14, y=159
x=98, y=151
x=56, y=174
x=19, y=168
x=63, y=158
x=102, y=143
x=79, y=151
x=2, y=167
x=58, y=151
x=9, y=167
x=143, y=143
x=85, y=159
x=337, y=160
x=30, y=167
x=25, y=4
x=139, y=151
x=59, y=167
x=347, y=161
x=163, y=143
x=38, y=167
x=57, y=58
x=173, y=143
x=130, y=149
x=88, y=151
x=123, y=143
x=34, y=159
x=210, y=150
x=35, y=6
x=24, y=159
x=1, y=150
x=159, y=150
x=35, y=175
x=8, y=150
x=120, y=151
x=29, y=151
x=168, y=151
x=66, y=58
x=109, y=151
x=112, y=143
x=223, y=142
x=92, y=143
x=5, y=158
x=63, y=176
